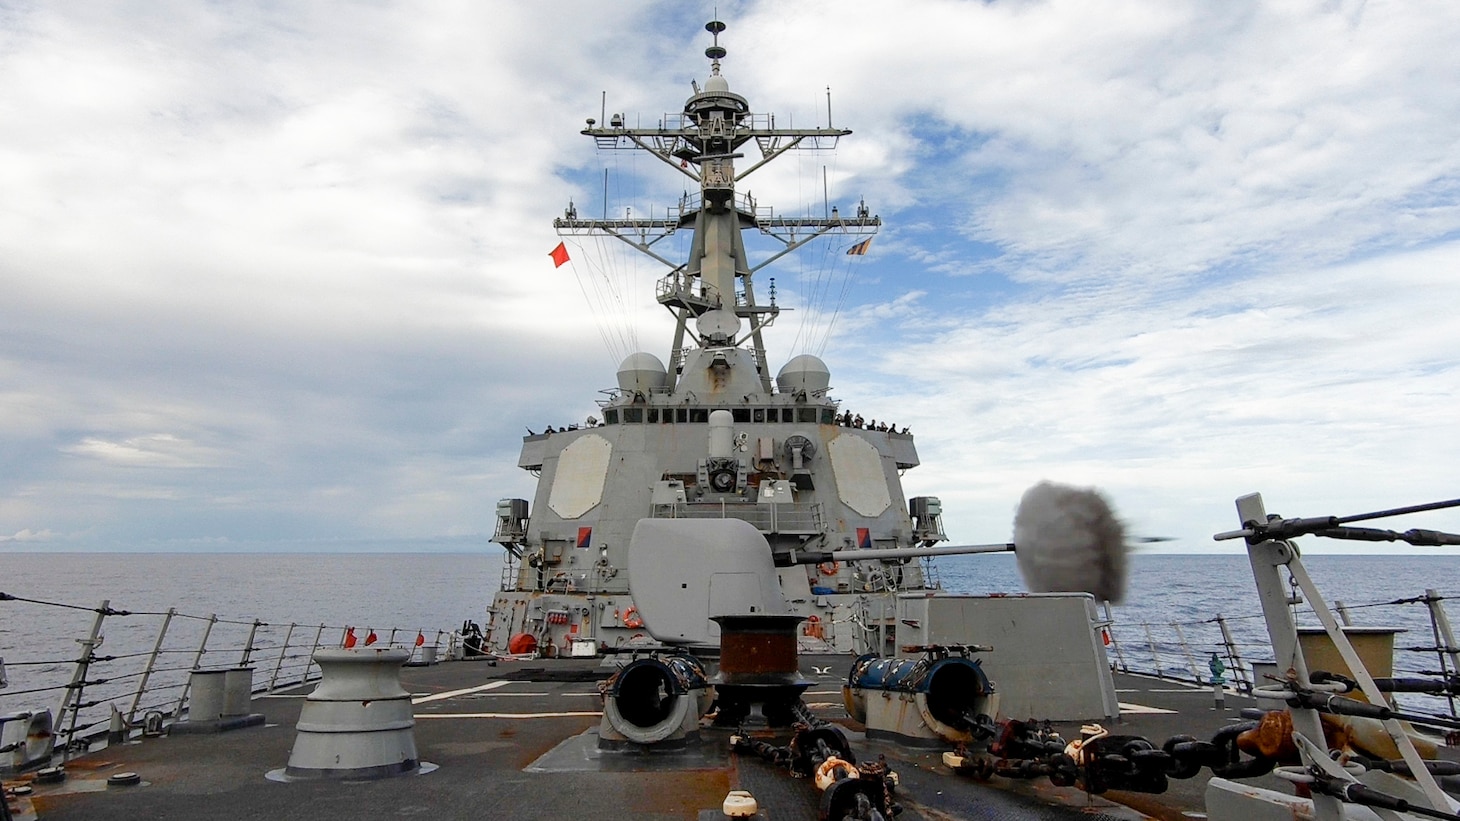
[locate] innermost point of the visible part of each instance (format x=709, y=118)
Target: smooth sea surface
x=1166, y=621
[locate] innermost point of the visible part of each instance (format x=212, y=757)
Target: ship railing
x=133, y=669
x=767, y=518
x=1183, y=650
x=744, y=203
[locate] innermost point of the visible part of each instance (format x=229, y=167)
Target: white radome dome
x=804, y=373
x=642, y=372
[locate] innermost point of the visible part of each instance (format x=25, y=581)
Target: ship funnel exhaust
x=1067, y=539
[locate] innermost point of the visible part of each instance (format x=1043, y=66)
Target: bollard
x=205, y=705
x=218, y=702
x=237, y=691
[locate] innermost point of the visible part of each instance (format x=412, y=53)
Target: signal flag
x=559, y=255
x=370, y=639
x=349, y=637
x=420, y=639
x=860, y=248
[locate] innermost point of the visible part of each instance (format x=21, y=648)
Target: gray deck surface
x=491, y=748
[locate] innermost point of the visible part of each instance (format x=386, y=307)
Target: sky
x=276, y=276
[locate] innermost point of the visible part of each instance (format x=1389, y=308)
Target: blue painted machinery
x=943, y=698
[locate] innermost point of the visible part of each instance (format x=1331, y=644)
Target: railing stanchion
x=1343, y=615
x=1234, y=656
x=197, y=664
x=304, y=679
x=253, y=631
x=151, y=663
x=1444, y=639
x=1186, y=650
x=283, y=651
x=1155, y=657
x=72, y=698
x=1110, y=632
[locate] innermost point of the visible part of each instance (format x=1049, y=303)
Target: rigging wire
x=852, y=262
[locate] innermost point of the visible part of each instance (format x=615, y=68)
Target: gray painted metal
x=1048, y=659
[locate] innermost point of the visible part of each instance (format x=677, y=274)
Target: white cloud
x=292, y=261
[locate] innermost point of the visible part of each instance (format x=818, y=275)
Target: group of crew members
x=848, y=420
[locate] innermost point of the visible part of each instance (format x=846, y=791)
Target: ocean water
x=1166, y=622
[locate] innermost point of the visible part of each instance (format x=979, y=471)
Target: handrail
x=1146, y=647
x=137, y=681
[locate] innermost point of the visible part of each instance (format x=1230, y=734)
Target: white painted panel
x=860, y=480
x=578, y=481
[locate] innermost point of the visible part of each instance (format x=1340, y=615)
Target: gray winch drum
x=358, y=722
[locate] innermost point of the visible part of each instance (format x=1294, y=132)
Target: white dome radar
x=804, y=373
x=642, y=372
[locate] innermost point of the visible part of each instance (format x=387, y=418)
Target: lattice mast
x=703, y=143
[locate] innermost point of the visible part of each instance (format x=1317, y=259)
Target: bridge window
x=653, y=414
x=700, y=415
x=740, y=415
x=681, y=415
x=633, y=415
x=806, y=415
x=610, y=417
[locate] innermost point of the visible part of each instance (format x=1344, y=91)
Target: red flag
x=349, y=637
x=860, y=248
x=420, y=639
x=370, y=639
x=559, y=255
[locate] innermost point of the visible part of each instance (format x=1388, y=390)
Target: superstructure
x=712, y=434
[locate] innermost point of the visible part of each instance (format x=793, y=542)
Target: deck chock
x=27, y=739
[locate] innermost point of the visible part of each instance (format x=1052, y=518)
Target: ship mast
x=703, y=143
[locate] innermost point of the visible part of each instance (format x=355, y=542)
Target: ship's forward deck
x=490, y=731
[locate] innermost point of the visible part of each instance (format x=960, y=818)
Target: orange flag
x=349, y=637
x=370, y=639
x=420, y=639
x=559, y=255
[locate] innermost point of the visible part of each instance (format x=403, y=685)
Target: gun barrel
x=909, y=552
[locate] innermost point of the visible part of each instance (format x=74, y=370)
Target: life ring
x=632, y=619
x=829, y=568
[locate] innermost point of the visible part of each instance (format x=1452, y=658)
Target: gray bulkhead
x=853, y=484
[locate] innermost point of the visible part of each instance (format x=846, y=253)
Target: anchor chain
x=819, y=750
x=1098, y=761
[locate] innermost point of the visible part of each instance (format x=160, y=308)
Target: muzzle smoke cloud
x=1067, y=539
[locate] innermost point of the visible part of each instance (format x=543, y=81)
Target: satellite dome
x=804, y=373
x=717, y=84
x=642, y=372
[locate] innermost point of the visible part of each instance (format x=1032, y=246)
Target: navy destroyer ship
x=713, y=430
